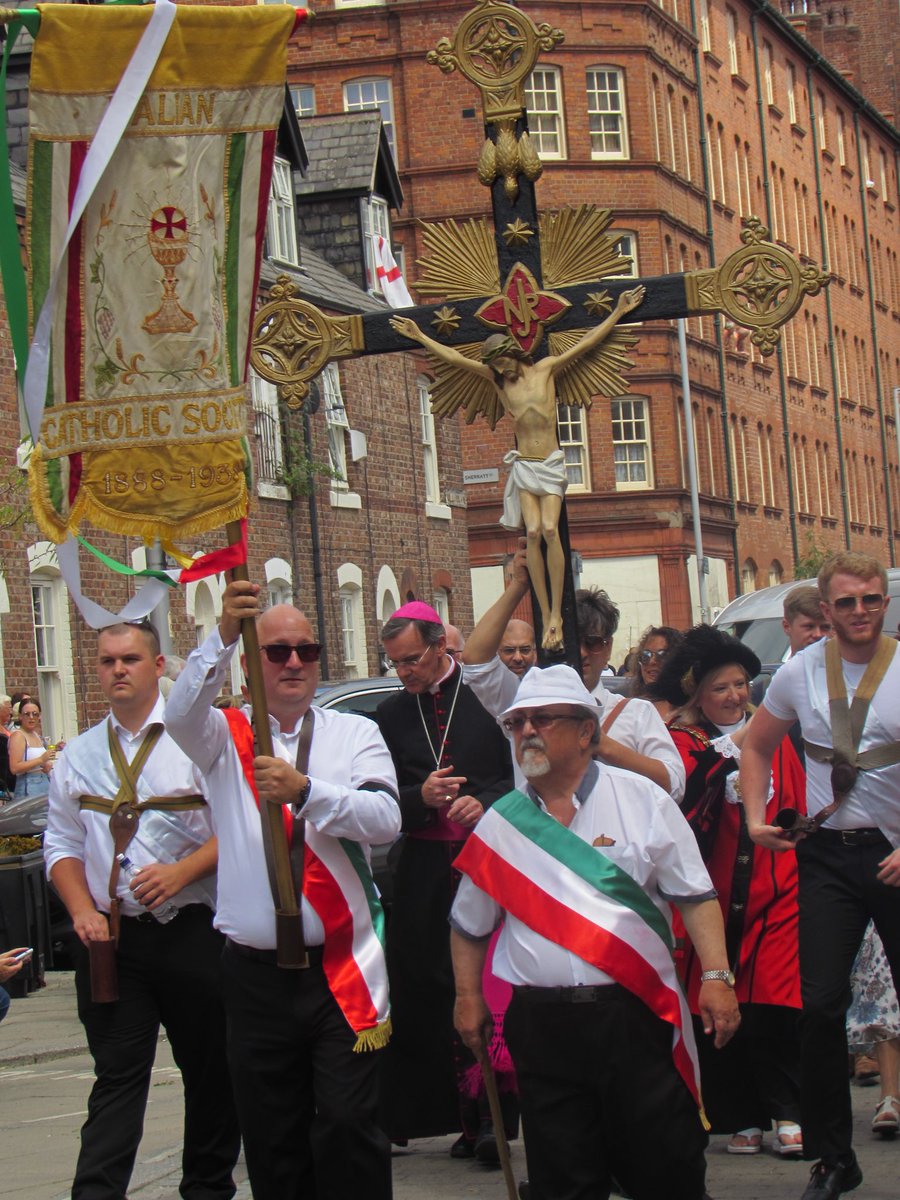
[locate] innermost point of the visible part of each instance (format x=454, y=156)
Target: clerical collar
x=436, y=686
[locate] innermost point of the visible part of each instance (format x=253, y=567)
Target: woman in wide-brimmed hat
x=755, y=1079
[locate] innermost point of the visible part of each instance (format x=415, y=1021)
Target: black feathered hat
x=703, y=649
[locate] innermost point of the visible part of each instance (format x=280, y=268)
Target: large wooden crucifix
x=527, y=313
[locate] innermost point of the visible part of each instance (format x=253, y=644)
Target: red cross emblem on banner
x=522, y=309
x=168, y=219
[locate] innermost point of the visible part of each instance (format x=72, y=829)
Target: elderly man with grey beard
x=581, y=868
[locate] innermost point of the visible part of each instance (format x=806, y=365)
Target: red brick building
x=683, y=119
x=357, y=505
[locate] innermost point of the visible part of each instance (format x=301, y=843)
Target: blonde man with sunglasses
x=849, y=855
x=303, y=1044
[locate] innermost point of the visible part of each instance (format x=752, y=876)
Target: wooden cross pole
x=531, y=274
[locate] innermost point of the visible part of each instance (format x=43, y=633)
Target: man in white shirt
x=849, y=865
x=581, y=869
x=301, y=1042
x=168, y=973
x=639, y=742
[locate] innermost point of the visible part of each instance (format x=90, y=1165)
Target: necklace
x=440, y=754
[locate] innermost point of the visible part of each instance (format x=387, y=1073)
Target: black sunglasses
x=871, y=602
x=307, y=652
x=648, y=655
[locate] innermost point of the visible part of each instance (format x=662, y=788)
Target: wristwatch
x=726, y=977
x=303, y=795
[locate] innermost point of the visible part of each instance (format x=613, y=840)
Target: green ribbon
x=11, y=268
x=121, y=569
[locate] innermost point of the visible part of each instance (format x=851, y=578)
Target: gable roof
x=349, y=154
x=321, y=284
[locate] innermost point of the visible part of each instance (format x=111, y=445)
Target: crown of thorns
x=500, y=345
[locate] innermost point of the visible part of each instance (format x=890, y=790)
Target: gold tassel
x=374, y=1038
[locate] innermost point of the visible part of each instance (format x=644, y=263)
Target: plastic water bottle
x=163, y=914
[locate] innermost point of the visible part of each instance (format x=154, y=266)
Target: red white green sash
x=337, y=882
x=569, y=892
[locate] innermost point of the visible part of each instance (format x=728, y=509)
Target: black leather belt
x=853, y=837
x=313, y=953
x=585, y=994
x=145, y=918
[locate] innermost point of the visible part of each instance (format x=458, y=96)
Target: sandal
x=751, y=1143
x=788, y=1139
x=886, y=1121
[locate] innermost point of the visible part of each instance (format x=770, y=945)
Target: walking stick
x=490, y=1086
x=291, y=951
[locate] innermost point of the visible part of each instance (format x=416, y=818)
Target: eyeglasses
x=595, y=642
x=524, y=651
x=648, y=655
x=30, y=713
x=278, y=652
x=540, y=721
x=411, y=660
x=871, y=602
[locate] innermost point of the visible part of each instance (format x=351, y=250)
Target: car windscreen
x=764, y=635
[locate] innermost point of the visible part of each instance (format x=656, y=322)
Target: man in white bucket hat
x=584, y=863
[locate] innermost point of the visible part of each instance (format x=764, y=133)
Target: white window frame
x=792, y=93
x=434, y=506
x=56, y=678
x=269, y=446
x=616, y=118
x=376, y=222
x=546, y=123
x=298, y=94
x=282, y=222
x=769, y=73
x=383, y=103
x=705, y=41
x=630, y=422
x=572, y=435
x=337, y=426
x=354, y=647
x=626, y=242
x=734, y=56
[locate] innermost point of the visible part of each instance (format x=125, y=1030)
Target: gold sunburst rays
x=599, y=373
x=455, y=389
x=575, y=247
x=460, y=260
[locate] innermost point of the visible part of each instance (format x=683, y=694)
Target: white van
x=756, y=619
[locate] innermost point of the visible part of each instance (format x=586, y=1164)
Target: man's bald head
x=455, y=641
x=517, y=648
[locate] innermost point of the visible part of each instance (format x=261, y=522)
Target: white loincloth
x=539, y=478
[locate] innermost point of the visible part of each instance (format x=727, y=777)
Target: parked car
x=359, y=696
x=756, y=619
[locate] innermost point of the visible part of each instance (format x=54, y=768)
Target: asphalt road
x=45, y=1078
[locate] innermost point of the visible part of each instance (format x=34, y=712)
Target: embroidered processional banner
x=143, y=430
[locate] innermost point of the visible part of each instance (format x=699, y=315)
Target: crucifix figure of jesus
x=537, y=476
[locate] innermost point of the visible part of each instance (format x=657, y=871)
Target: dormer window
x=282, y=224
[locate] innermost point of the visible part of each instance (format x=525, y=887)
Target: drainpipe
x=835, y=383
x=863, y=203
x=717, y=317
x=782, y=388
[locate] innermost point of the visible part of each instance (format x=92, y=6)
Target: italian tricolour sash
x=338, y=883
x=143, y=430
x=569, y=892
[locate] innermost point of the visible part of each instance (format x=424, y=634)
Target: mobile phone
x=24, y=955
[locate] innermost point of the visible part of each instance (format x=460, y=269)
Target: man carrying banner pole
x=584, y=864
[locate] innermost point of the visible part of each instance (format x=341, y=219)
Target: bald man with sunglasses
x=302, y=1044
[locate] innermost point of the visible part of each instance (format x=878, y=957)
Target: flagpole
x=291, y=949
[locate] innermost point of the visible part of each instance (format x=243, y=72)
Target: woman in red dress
x=755, y=1079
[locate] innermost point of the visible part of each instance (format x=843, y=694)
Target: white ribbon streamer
x=109, y=133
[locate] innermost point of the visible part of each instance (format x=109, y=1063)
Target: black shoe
x=486, y=1146
x=463, y=1147
x=827, y=1181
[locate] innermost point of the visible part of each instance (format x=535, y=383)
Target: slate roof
x=349, y=154
x=319, y=282
x=17, y=178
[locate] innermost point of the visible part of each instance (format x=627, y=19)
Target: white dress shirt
x=85, y=768
x=352, y=792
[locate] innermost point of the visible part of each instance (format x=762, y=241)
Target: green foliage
x=299, y=474
x=15, y=506
x=809, y=563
